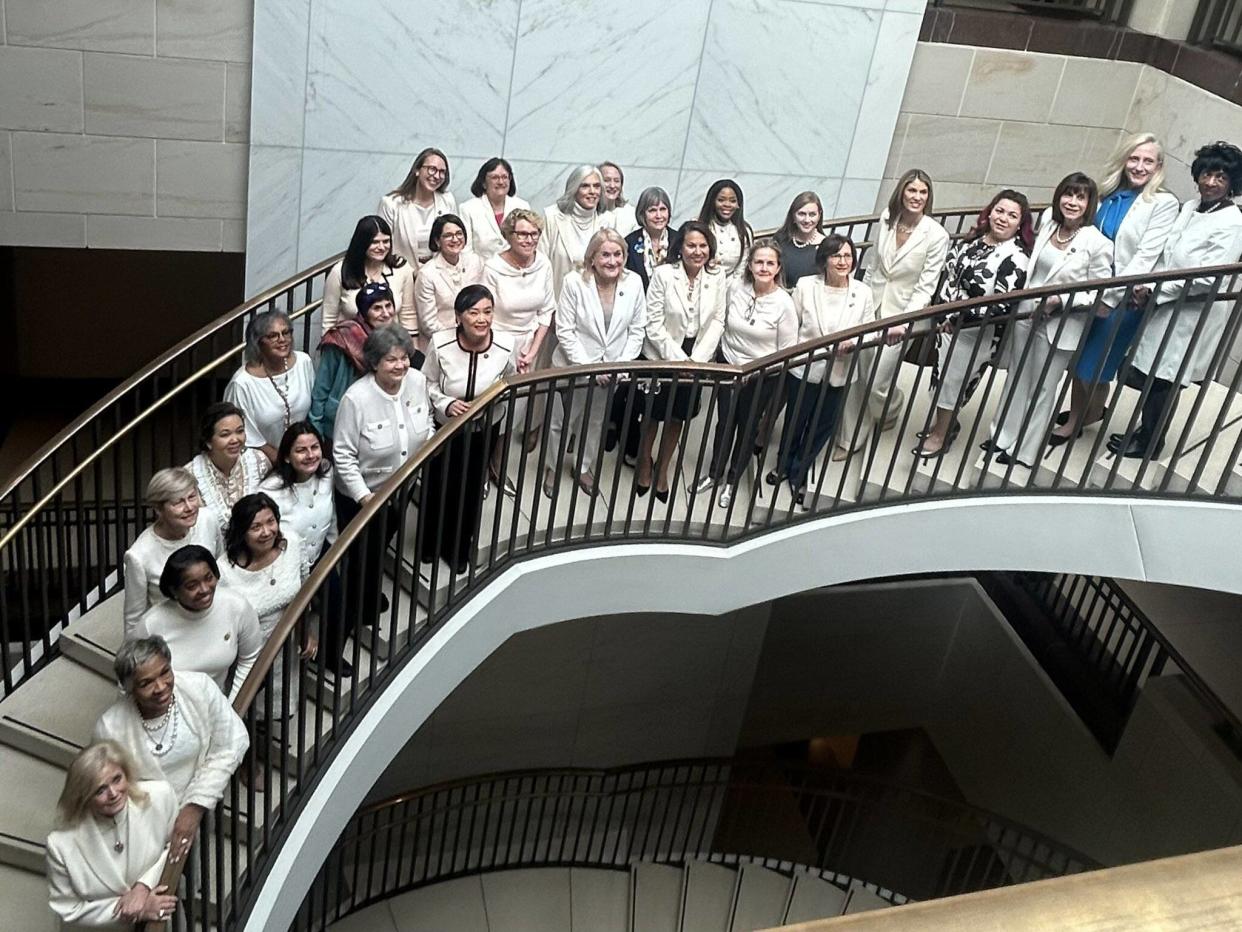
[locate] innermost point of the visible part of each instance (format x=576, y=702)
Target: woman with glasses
x=274, y=385
x=450, y=269
x=520, y=280
x=413, y=206
x=759, y=320
x=370, y=259
x=495, y=194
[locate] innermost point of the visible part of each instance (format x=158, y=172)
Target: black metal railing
x=384, y=547
x=1107, y=11
x=911, y=844
x=1218, y=23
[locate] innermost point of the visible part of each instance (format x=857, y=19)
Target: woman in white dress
x=759, y=320
x=413, y=206
x=225, y=469
x=211, y=630
x=600, y=317
x=909, y=255
x=569, y=224
x=450, y=269
x=265, y=564
x=724, y=213
x=180, y=519
x=105, y=858
x=178, y=728
x=521, y=282
x=274, y=385
x=624, y=218
x=685, y=320
x=1208, y=232
x=495, y=194
x=1067, y=251
x=369, y=259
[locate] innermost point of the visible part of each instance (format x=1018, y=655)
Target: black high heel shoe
x=1058, y=440
x=944, y=447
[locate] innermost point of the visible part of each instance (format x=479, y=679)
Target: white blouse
x=376, y=432
x=219, y=492
x=411, y=224
x=308, y=509
x=455, y=373
x=437, y=288
x=270, y=589
x=483, y=237
x=524, y=297
x=677, y=311
x=144, y=562
x=728, y=247
x=623, y=219
x=823, y=311
x=209, y=641
x=757, y=327
x=341, y=303
x=272, y=403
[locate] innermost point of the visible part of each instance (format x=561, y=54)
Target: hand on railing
x=894, y=335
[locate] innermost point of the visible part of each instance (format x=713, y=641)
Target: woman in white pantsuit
x=909, y=255
x=495, y=194
x=1067, y=251
x=601, y=317
x=1207, y=232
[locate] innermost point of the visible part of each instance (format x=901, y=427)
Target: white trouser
x=971, y=350
x=585, y=422
x=1034, y=379
x=867, y=403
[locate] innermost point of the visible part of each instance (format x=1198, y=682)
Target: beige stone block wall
x=124, y=124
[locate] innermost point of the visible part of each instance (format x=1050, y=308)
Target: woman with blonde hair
x=412, y=207
x=1137, y=214
x=569, y=224
x=625, y=219
x=105, y=858
x=601, y=317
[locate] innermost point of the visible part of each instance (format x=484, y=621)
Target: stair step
x=709, y=894
x=527, y=900
x=52, y=715
x=377, y=918
x=452, y=906
x=94, y=639
x=32, y=787
x=328, y=696
x=813, y=898
x=599, y=900
x=24, y=895
x=656, y=898
x=384, y=635
x=864, y=900
x=762, y=896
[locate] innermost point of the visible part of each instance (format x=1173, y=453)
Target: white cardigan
x=436, y=290
x=208, y=714
x=1141, y=237
x=409, y=232
x=669, y=313
x=1089, y=257
x=144, y=562
x=483, y=236
x=86, y=877
x=904, y=280
x=341, y=303
x=821, y=314
x=376, y=432
x=581, y=333
x=458, y=374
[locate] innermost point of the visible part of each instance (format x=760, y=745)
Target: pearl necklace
x=165, y=728
x=1056, y=236
x=282, y=390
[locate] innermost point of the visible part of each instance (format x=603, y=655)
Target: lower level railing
x=902, y=842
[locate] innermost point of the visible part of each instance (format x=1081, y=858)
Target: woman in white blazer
x=909, y=254
x=495, y=194
x=413, y=206
x=828, y=302
x=369, y=258
x=450, y=269
x=600, y=317
x=1067, y=251
x=1208, y=232
x=176, y=728
x=105, y=858
x=569, y=224
x=685, y=321
x=1137, y=214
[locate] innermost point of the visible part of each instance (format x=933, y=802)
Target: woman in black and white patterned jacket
x=991, y=260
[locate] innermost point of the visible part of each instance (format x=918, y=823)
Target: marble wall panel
x=1006, y=85
x=181, y=99
x=1095, y=92
x=200, y=179
x=948, y=148
x=37, y=229
x=164, y=233
x=96, y=25
x=233, y=235
x=278, y=74
x=210, y=29
x=42, y=89
x=937, y=81
x=237, y=102
x=886, y=84
x=6, y=171
x=1033, y=154
x=84, y=174
x=447, y=84
x=767, y=197
x=272, y=216
x=584, y=89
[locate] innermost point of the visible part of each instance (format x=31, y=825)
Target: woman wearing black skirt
x=460, y=365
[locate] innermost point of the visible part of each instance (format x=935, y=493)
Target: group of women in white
x=432, y=305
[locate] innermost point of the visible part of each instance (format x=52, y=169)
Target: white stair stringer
x=656, y=895
x=707, y=897
x=762, y=898
x=812, y=898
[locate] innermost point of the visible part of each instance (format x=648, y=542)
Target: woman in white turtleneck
x=569, y=224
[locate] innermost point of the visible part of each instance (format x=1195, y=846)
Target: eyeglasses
x=498, y=177
x=456, y=234
x=277, y=335
x=525, y=234
x=433, y=170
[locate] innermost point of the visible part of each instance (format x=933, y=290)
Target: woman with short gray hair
x=648, y=247
x=570, y=223
x=273, y=386
x=180, y=519
x=176, y=727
